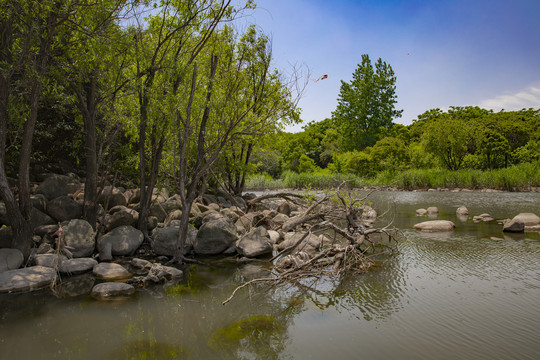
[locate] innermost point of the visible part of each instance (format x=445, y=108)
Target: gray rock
x=174, y=215
x=64, y=208
x=79, y=235
x=462, y=210
x=39, y=201
x=77, y=266
x=483, y=217
x=164, y=240
x=26, y=279
x=114, y=197
x=112, y=290
x=215, y=236
x=125, y=240
x=105, y=252
x=529, y=219
x=158, y=211
x=111, y=272
x=311, y=241
x=159, y=273
x=514, y=225
x=232, y=215
x=280, y=219
x=141, y=264
x=38, y=218
x=274, y=236
x=432, y=210
x=54, y=186
x=284, y=208
x=368, y=213
x=211, y=215
x=421, y=212
x=435, y=226
x=255, y=243
x=10, y=259
x=123, y=216
x=49, y=260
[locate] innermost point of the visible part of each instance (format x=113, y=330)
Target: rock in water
x=435, y=226
x=10, y=259
x=255, y=243
x=215, y=236
x=26, y=279
x=112, y=290
x=111, y=272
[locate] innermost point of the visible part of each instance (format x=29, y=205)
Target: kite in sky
x=320, y=78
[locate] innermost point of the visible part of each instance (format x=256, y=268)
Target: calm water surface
x=458, y=295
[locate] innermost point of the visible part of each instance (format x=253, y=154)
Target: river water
x=473, y=293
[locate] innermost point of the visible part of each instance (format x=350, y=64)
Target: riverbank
x=522, y=178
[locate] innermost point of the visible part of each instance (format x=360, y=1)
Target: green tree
x=366, y=104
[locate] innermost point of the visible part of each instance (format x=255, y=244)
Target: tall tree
x=366, y=104
x=29, y=36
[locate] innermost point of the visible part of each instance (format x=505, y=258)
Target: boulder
x=38, y=218
x=231, y=214
x=174, y=215
x=255, y=243
x=160, y=273
x=284, y=208
x=158, y=211
x=114, y=197
x=64, y=208
x=215, y=236
x=311, y=241
x=124, y=240
x=245, y=222
x=483, y=217
x=112, y=290
x=77, y=266
x=432, y=210
x=54, y=186
x=164, y=240
x=368, y=213
x=49, y=260
x=124, y=216
x=274, y=236
x=111, y=272
x=39, y=201
x=462, y=210
x=280, y=219
x=435, y=226
x=528, y=219
x=26, y=279
x=10, y=259
x=514, y=225
x=79, y=235
x=421, y=212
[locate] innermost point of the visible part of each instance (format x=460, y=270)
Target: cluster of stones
x=523, y=222
x=219, y=225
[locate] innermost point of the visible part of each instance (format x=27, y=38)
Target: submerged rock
x=421, y=212
x=483, y=217
x=435, y=226
x=462, y=210
x=112, y=290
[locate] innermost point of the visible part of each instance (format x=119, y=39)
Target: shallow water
x=458, y=295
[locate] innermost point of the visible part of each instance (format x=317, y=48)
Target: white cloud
x=527, y=98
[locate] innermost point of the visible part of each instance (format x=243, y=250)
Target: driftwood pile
x=344, y=219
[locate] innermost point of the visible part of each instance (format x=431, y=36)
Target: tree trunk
x=88, y=108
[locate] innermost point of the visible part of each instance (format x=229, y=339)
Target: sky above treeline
x=444, y=52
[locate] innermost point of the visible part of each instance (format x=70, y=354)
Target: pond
x=473, y=293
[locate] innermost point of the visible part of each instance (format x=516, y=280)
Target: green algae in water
x=150, y=350
x=256, y=335
x=195, y=284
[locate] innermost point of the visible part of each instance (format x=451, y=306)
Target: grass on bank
x=517, y=177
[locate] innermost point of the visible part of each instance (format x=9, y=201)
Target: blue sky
x=444, y=53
